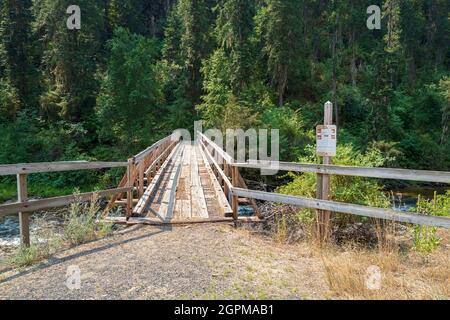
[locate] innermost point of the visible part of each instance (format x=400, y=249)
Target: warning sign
x=326, y=140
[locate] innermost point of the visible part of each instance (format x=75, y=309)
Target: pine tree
x=187, y=43
x=70, y=58
x=16, y=63
x=280, y=28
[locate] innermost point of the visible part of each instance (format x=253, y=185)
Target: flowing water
x=406, y=199
x=10, y=231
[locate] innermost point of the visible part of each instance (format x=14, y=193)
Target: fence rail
x=42, y=167
x=326, y=205
x=33, y=205
x=382, y=173
x=24, y=207
x=144, y=153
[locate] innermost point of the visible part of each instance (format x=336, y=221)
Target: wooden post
x=141, y=178
x=323, y=186
x=234, y=201
x=226, y=171
x=130, y=185
x=24, y=217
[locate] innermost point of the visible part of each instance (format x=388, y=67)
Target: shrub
x=425, y=237
x=343, y=188
x=81, y=223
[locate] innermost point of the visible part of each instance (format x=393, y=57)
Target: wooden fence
x=326, y=205
x=25, y=207
x=224, y=163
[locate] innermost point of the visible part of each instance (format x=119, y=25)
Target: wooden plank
x=150, y=190
x=155, y=221
x=130, y=168
x=141, y=168
x=165, y=212
x=124, y=202
x=13, y=169
x=33, y=205
x=235, y=200
x=197, y=195
x=221, y=198
x=382, y=173
x=354, y=209
x=24, y=217
x=183, y=196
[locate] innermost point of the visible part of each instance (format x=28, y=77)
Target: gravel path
x=190, y=262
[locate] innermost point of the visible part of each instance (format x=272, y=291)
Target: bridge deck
x=185, y=188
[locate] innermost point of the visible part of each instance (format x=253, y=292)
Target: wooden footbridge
x=175, y=181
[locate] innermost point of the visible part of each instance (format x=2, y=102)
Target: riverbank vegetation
x=79, y=225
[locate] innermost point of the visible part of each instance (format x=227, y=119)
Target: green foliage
x=68, y=58
x=27, y=256
x=187, y=43
x=343, y=188
x=81, y=223
x=425, y=238
x=130, y=98
x=292, y=132
x=9, y=99
x=279, y=28
x=80, y=226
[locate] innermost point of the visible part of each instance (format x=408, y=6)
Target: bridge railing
x=140, y=168
x=318, y=204
x=227, y=175
x=25, y=207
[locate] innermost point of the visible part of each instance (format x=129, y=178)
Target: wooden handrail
x=382, y=173
x=160, y=157
x=23, y=168
x=141, y=155
x=354, y=209
x=225, y=156
x=219, y=170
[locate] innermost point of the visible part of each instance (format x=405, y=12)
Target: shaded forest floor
x=219, y=261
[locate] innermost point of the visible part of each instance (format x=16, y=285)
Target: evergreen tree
x=187, y=43
x=69, y=59
x=17, y=74
x=280, y=28
x=128, y=106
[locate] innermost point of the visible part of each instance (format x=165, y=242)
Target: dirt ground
x=220, y=261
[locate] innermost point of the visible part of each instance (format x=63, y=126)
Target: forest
x=137, y=70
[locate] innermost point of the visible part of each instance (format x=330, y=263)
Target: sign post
x=326, y=136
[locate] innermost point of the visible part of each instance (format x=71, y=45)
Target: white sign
x=326, y=141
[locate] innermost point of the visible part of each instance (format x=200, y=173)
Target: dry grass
x=409, y=275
